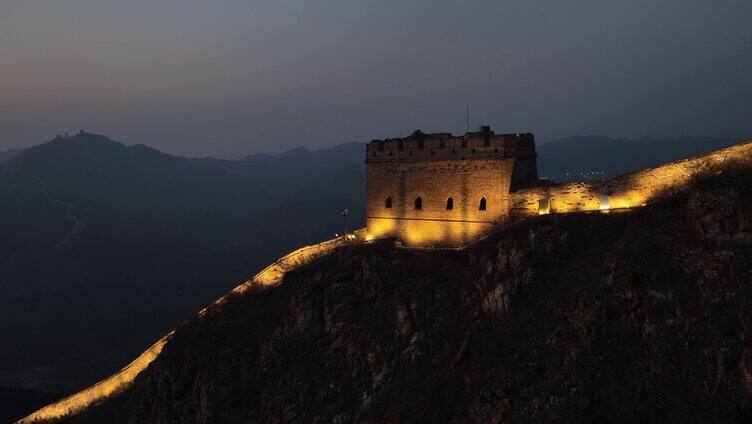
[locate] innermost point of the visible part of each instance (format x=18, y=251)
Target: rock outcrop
x=639, y=316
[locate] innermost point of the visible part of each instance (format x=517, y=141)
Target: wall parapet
x=435, y=146
x=98, y=392
x=630, y=190
x=275, y=273
x=118, y=382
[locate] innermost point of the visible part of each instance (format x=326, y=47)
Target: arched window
x=388, y=202
x=418, y=203
x=482, y=205
x=450, y=204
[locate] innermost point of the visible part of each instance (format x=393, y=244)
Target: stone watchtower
x=444, y=190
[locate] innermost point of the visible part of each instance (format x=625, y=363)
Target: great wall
x=438, y=190
x=269, y=276
x=628, y=190
x=623, y=192
x=99, y=391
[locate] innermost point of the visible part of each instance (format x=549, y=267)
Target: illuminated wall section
x=100, y=391
x=629, y=190
x=463, y=184
x=466, y=182
x=269, y=276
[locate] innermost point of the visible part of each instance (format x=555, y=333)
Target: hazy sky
x=230, y=77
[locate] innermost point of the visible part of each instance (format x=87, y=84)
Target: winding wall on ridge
x=625, y=191
x=269, y=276
x=628, y=190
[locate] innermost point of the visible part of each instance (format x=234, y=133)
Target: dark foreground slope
x=621, y=317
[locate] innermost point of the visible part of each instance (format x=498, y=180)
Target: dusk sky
x=226, y=78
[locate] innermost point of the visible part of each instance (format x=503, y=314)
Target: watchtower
x=443, y=190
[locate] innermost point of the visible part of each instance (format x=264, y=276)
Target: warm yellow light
x=100, y=391
x=544, y=206
x=271, y=275
x=275, y=273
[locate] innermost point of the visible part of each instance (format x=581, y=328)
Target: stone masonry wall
x=436, y=167
x=628, y=190
x=466, y=181
x=501, y=169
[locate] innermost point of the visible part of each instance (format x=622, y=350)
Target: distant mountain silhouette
x=299, y=168
x=351, y=151
x=310, y=189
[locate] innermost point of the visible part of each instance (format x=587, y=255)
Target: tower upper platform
x=443, y=146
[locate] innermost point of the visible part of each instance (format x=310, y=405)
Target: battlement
x=443, y=190
x=442, y=146
x=440, y=190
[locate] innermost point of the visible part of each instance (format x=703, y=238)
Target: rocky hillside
x=641, y=316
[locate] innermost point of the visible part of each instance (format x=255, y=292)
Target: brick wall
x=629, y=190
x=466, y=181
x=501, y=169
x=436, y=167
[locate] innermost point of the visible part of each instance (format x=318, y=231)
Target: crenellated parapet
x=634, y=189
x=443, y=146
x=443, y=190
x=440, y=190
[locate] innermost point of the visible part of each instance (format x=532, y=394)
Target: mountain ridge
x=8, y=154
x=386, y=337
x=162, y=261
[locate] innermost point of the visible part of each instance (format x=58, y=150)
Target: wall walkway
x=269, y=276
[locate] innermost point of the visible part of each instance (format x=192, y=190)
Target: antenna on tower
x=467, y=118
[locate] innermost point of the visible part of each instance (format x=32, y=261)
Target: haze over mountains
x=106, y=247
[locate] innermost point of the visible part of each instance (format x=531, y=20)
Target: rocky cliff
x=639, y=316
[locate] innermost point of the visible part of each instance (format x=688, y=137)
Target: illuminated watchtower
x=444, y=190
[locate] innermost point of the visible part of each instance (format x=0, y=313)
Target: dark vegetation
x=640, y=316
